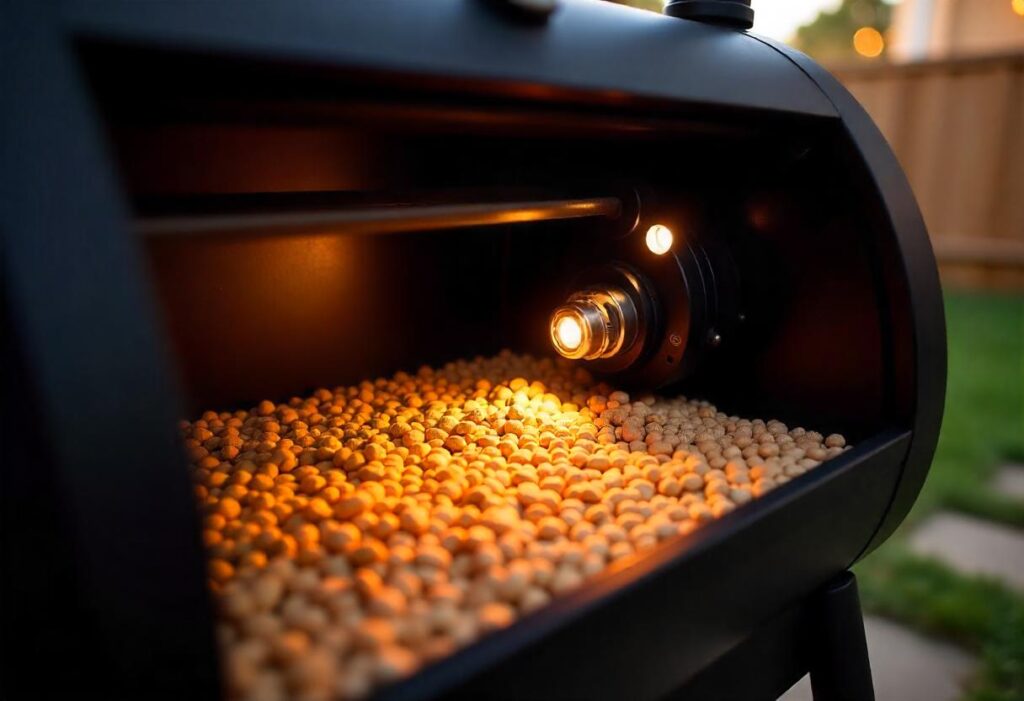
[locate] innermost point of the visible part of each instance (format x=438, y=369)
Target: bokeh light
x=868, y=42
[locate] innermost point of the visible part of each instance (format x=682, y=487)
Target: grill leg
x=839, y=659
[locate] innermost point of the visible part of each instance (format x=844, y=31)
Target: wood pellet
x=359, y=533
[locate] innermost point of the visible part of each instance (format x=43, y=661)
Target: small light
x=594, y=323
x=868, y=42
x=570, y=333
x=1018, y=6
x=659, y=239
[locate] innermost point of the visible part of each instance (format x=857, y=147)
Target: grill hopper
x=209, y=114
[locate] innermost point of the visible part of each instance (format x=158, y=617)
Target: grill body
x=129, y=123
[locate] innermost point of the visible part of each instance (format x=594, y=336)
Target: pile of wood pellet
x=359, y=533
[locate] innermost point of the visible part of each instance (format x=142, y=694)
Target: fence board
x=957, y=127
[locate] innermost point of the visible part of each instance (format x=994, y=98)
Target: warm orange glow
x=659, y=239
x=570, y=333
x=1018, y=6
x=868, y=42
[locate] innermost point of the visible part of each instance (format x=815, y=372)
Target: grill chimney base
x=729, y=13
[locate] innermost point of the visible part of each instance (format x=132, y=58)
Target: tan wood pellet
x=359, y=533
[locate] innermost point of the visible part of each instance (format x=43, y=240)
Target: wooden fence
x=957, y=126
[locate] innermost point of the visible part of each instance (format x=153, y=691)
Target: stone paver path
x=1010, y=481
x=906, y=666
x=973, y=546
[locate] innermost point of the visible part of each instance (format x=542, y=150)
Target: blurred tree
x=830, y=37
x=652, y=5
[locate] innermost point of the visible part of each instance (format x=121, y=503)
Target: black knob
x=532, y=11
x=730, y=13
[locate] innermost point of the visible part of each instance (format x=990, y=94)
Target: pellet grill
x=205, y=204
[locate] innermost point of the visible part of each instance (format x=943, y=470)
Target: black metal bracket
x=823, y=634
x=839, y=666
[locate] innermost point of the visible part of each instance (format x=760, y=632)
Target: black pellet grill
x=194, y=208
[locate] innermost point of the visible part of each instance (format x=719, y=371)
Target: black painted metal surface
x=115, y=581
x=915, y=286
x=602, y=51
x=840, y=668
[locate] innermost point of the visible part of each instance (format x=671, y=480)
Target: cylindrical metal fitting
x=594, y=323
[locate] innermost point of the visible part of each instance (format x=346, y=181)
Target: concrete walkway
x=906, y=666
x=973, y=546
x=1009, y=480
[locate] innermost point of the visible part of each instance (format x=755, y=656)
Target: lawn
x=983, y=427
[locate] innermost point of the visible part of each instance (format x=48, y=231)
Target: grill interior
x=283, y=309
x=239, y=177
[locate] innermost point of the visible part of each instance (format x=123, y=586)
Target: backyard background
x=944, y=80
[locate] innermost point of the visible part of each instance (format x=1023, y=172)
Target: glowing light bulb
x=659, y=239
x=868, y=42
x=594, y=323
x=1018, y=6
x=570, y=333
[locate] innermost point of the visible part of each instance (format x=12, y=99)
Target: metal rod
x=380, y=220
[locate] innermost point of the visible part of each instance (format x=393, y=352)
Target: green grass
x=979, y=614
x=983, y=427
x=984, y=419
